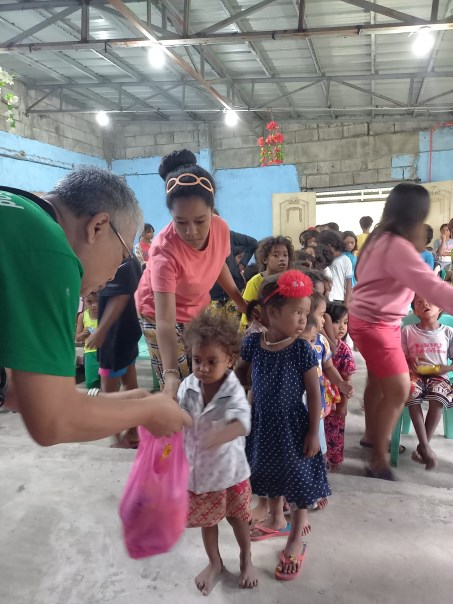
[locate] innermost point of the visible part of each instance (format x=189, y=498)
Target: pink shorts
x=380, y=346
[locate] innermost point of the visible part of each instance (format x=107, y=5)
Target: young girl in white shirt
x=219, y=485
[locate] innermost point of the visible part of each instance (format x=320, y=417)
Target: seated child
x=87, y=322
x=428, y=346
x=219, y=485
x=343, y=361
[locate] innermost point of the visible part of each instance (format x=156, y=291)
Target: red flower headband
x=292, y=284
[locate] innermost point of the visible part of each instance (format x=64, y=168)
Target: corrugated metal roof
x=232, y=67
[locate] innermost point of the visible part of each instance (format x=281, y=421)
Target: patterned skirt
x=208, y=509
x=148, y=326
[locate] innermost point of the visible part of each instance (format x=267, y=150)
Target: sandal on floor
x=280, y=575
x=268, y=533
x=386, y=474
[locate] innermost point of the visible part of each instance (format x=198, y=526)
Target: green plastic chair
x=404, y=422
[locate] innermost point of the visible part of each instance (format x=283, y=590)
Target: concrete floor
x=60, y=539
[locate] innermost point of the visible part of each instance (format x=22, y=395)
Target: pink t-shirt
x=389, y=271
x=177, y=268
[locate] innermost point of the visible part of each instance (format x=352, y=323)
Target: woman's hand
x=166, y=417
x=242, y=306
x=311, y=445
x=171, y=385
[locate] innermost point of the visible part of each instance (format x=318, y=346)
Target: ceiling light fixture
x=156, y=56
x=231, y=118
x=423, y=42
x=102, y=118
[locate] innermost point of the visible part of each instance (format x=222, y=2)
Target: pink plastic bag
x=155, y=501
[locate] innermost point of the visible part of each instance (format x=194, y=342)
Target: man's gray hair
x=90, y=190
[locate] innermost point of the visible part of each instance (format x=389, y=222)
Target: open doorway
x=347, y=207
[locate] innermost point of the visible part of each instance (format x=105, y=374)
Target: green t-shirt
x=40, y=279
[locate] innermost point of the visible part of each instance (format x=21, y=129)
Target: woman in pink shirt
x=389, y=270
x=186, y=258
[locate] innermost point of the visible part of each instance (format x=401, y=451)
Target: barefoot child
x=283, y=446
x=428, y=346
x=215, y=446
x=343, y=361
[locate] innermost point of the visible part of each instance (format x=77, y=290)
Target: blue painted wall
x=34, y=166
x=442, y=160
x=244, y=196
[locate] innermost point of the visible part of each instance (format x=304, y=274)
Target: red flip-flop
x=281, y=576
x=269, y=533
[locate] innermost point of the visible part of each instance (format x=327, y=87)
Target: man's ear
x=97, y=225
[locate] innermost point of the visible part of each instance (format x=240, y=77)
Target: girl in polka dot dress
x=283, y=447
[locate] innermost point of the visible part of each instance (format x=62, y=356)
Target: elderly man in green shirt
x=51, y=252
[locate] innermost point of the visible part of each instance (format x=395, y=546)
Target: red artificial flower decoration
x=273, y=126
x=295, y=284
x=271, y=147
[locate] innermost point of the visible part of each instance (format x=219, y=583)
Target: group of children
x=279, y=444
x=276, y=448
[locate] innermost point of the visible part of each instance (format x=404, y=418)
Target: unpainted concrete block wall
x=74, y=132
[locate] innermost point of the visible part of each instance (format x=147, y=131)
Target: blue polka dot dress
x=280, y=423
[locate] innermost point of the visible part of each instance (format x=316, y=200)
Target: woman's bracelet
x=175, y=371
x=93, y=392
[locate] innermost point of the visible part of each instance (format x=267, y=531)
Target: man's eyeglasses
x=129, y=255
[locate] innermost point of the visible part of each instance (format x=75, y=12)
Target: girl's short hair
x=184, y=162
x=353, y=235
x=429, y=234
x=312, y=323
x=316, y=299
x=315, y=276
x=147, y=228
x=306, y=235
x=304, y=259
x=265, y=247
x=332, y=238
x=211, y=328
x=324, y=256
x=337, y=311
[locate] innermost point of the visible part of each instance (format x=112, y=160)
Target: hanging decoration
x=8, y=98
x=271, y=146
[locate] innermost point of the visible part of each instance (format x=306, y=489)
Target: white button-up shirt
x=225, y=466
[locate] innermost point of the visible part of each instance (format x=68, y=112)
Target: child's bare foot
x=208, y=577
x=322, y=503
x=428, y=456
x=417, y=457
x=249, y=576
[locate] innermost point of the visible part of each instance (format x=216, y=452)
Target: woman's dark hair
x=366, y=222
x=307, y=235
x=337, y=311
x=429, y=234
x=324, y=256
x=211, y=328
x=316, y=299
x=185, y=162
x=147, y=228
x=265, y=246
x=353, y=235
x=331, y=238
x=407, y=206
